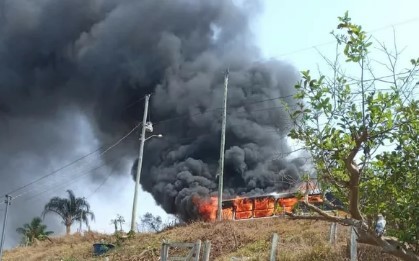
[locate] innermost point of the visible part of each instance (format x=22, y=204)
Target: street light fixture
x=156, y=135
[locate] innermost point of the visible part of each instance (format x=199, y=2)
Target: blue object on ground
x=101, y=248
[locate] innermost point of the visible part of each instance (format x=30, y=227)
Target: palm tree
x=33, y=230
x=70, y=209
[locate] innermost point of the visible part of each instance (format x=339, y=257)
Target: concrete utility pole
x=8, y=201
x=140, y=163
x=222, y=148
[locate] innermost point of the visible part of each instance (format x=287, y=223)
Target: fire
x=228, y=213
x=264, y=207
x=207, y=207
x=245, y=208
x=287, y=203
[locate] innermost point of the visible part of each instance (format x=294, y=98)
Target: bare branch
x=388, y=244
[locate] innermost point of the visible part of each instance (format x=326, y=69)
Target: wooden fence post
x=274, y=247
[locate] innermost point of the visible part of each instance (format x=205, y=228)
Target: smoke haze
x=71, y=61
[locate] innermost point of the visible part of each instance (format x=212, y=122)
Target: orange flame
x=264, y=207
x=207, y=207
x=245, y=208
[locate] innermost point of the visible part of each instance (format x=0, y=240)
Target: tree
x=119, y=219
x=33, y=230
x=70, y=209
x=115, y=224
x=362, y=133
x=151, y=222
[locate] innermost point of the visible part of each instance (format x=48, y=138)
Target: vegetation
x=246, y=240
x=119, y=219
x=151, y=223
x=362, y=133
x=70, y=209
x=34, y=230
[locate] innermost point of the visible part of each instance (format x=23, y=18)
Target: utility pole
x=8, y=202
x=140, y=163
x=222, y=148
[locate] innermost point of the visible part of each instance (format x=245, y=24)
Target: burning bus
x=261, y=206
x=275, y=204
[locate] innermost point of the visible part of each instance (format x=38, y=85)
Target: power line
x=100, y=185
x=82, y=157
x=351, y=82
x=72, y=163
x=220, y=108
x=53, y=172
x=76, y=179
x=167, y=120
x=113, y=145
x=64, y=180
x=307, y=48
x=72, y=181
x=133, y=103
x=231, y=107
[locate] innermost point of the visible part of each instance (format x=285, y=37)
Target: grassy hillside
x=249, y=240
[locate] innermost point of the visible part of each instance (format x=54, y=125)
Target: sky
x=286, y=30
x=289, y=30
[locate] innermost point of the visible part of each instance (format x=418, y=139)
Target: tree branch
x=355, y=176
x=330, y=204
x=365, y=235
x=388, y=244
x=325, y=217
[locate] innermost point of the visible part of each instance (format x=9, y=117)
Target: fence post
x=163, y=251
x=274, y=247
x=353, y=245
x=207, y=250
x=333, y=233
x=197, y=249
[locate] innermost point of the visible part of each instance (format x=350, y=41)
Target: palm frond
x=70, y=209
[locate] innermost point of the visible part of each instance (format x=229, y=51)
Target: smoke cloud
x=96, y=59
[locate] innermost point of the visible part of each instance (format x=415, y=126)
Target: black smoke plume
x=99, y=58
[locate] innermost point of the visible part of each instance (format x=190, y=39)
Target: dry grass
x=247, y=240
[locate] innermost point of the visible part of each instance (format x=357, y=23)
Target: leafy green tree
x=33, y=230
x=70, y=209
x=362, y=133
